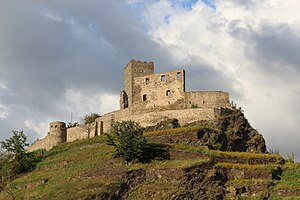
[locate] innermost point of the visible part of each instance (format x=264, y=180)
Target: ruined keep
x=149, y=98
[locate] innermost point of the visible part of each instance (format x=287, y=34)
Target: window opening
x=144, y=97
x=163, y=78
x=178, y=75
x=147, y=80
x=168, y=93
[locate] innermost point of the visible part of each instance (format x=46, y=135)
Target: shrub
x=289, y=157
x=128, y=139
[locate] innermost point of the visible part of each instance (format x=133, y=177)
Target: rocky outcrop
x=240, y=136
x=231, y=131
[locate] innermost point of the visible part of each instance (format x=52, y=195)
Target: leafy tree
x=127, y=137
x=87, y=119
x=15, y=144
x=22, y=161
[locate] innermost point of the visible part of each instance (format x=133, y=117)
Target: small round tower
x=58, y=132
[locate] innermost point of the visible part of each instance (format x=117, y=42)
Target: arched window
x=163, y=78
x=168, y=93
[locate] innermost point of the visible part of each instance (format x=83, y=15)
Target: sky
x=67, y=56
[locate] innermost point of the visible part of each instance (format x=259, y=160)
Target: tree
x=15, y=144
x=89, y=123
x=22, y=161
x=87, y=119
x=128, y=139
x=71, y=125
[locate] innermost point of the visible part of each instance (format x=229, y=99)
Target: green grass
x=248, y=182
x=80, y=169
x=168, y=164
x=215, y=153
x=66, y=172
x=290, y=179
x=266, y=167
x=83, y=168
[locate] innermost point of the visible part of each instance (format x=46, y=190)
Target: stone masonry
x=147, y=98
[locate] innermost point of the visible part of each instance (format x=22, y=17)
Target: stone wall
x=132, y=70
x=57, y=135
x=147, y=98
x=157, y=92
x=209, y=99
x=184, y=116
x=40, y=144
x=81, y=132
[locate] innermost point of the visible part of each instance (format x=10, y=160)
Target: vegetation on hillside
x=14, y=157
x=128, y=140
x=123, y=165
x=87, y=169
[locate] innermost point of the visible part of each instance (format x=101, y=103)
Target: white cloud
x=228, y=40
x=3, y=112
x=80, y=104
x=41, y=128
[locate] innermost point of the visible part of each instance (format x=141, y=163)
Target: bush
x=128, y=139
x=289, y=157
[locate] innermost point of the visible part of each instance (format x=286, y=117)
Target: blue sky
x=188, y=4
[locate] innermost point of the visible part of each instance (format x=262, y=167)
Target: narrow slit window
x=163, y=78
x=178, y=75
x=144, y=97
x=147, y=80
x=168, y=93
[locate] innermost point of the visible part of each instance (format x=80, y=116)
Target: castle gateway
x=149, y=98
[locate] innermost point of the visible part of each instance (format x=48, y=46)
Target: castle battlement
x=146, y=98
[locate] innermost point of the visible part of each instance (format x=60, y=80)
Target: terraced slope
x=86, y=170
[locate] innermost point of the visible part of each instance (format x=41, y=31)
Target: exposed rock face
x=239, y=135
x=229, y=132
x=203, y=182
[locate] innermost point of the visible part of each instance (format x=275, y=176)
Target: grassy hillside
x=86, y=169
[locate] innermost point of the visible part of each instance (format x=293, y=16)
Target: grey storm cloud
x=272, y=46
x=277, y=44
x=48, y=47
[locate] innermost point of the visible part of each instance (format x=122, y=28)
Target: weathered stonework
x=57, y=135
x=147, y=98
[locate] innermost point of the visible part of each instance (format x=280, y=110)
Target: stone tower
x=58, y=133
x=132, y=70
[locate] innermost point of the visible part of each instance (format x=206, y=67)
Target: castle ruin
x=148, y=99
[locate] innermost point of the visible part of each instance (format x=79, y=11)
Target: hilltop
x=187, y=168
